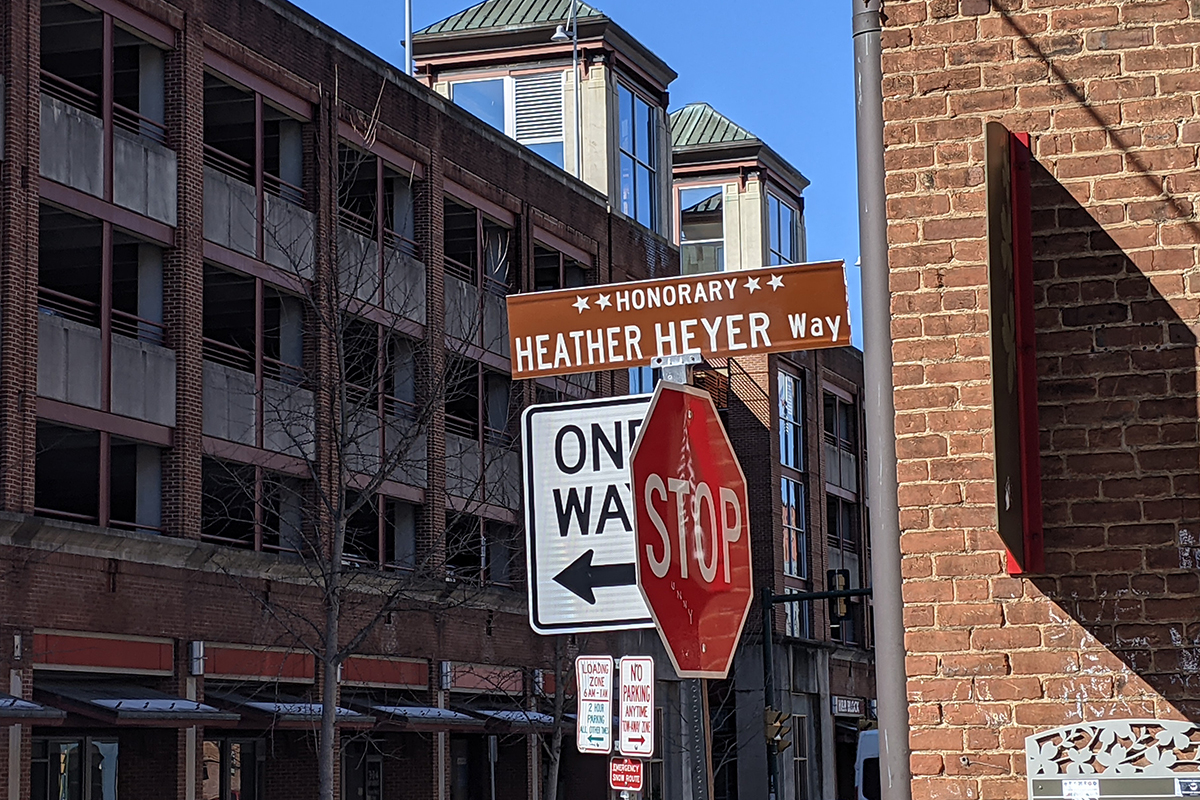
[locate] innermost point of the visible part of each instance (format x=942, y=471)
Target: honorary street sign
x=593, y=726
x=693, y=531
x=637, y=707
x=624, y=775
x=774, y=309
x=579, y=515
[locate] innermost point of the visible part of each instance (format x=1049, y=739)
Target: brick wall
x=1108, y=91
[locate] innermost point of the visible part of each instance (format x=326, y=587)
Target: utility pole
x=882, y=485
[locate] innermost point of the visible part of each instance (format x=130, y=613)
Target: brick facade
x=1108, y=92
x=64, y=576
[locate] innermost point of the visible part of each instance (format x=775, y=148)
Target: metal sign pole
x=678, y=369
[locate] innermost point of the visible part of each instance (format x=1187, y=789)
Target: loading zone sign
x=580, y=545
x=593, y=729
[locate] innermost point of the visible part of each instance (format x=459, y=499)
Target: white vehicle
x=866, y=766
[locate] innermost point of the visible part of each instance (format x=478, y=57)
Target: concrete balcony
x=143, y=380
x=406, y=445
x=72, y=146
x=358, y=275
x=228, y=398
x=230, y=212
x=69, y=357
x=502, y=468
x=144, y=176
x=463, y=465
x=289, y=419
x=288, y=232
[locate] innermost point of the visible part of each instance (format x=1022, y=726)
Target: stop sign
x=693, y=530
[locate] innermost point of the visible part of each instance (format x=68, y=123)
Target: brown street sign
x=720, y=314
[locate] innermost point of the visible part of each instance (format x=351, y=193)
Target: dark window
x=553, y=270
x=73, y=769
x=67, y=479
x=232, y=769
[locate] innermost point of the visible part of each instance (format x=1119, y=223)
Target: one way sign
x=579, y=515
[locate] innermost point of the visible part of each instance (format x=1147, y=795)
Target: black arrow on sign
x=581, y=577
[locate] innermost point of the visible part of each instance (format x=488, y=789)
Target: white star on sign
x=581, y=303
x=603, y=300
x=776, y=283
x=752, y=285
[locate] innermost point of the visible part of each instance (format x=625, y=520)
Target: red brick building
x=177, y=177
x=1106, y=628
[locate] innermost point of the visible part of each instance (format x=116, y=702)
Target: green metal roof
x=509, y=14
x=700, y=124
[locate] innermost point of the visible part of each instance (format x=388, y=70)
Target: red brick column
x=183, y=280
x=19, y=23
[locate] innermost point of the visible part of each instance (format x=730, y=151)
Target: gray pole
x=890, y=676
x=408, y=49
x=576, y=77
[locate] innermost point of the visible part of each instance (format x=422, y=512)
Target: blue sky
x=781, y=68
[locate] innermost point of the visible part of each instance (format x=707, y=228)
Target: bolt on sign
x=637, y=707
x=593, y=724
x=773, y=309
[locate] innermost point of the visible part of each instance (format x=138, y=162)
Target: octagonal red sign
x=693, y=530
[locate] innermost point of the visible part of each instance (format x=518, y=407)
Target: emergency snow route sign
x=593, y=725
x=580, y=545
x=637, y=707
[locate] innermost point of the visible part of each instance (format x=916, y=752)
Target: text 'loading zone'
x=579, y=515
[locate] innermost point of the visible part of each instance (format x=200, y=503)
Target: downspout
x=882, y=486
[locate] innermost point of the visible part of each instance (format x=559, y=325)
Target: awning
x=15, y=711
x=285, y=711
x=517, y=721
x=129, y=704
x=425, y=718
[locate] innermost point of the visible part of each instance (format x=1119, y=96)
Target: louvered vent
x=539, y=107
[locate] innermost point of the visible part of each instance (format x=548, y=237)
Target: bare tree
x=349, y=395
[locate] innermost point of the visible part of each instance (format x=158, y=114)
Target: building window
x=800, y=755
x=791, y=421
x=73, y=769
x=70, y=483
x=843, y=515
x=554, y=270
x=375, y=202
x=795, y=543
x=643, y=379
x=797, y=621
x=232, y=305
x=79, y=257
x=784, y=231
x=791, y=456
x=639, y=158
x=231, y=769
x=249, y=507
x=701, y=229
x=380, y=531
x=480, y=550
x=73, y=54
x=477, y=250
x=529, y=108
x=841, y=443
x=251, y=140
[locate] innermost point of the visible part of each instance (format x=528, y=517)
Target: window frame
x=653, y=168
x=773, y=225
x=509, y=83
x=679, y=223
